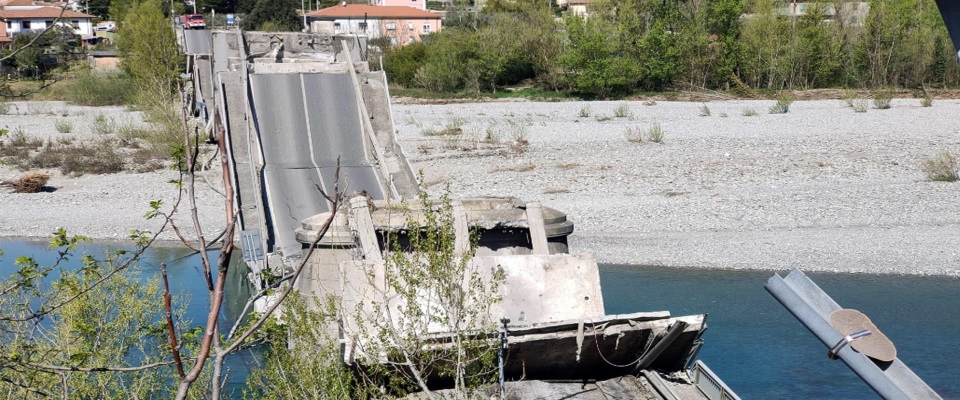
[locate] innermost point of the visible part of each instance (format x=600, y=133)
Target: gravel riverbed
x=821, y=188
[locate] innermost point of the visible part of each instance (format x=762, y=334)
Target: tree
x=273, y=15
x=150, y=55
x=591, y=63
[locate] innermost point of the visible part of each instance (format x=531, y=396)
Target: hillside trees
x=273, y=15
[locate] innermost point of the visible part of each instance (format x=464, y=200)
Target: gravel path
x=820, y=188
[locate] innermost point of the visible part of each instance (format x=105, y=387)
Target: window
x=25, y=25
x=336, y=27
x=363, y=26
x=391, y=26
x=9, y=25
x=75, y=23
x=410, y=39
x=48, y=23
x=426, y=28
x=393, y=40
x=410, y=26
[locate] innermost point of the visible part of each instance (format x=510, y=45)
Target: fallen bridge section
x=306, y=123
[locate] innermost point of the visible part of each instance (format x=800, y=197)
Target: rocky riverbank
x=821, y=187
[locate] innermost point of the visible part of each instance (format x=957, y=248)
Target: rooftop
x=375, y=12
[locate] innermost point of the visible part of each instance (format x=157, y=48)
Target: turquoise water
x=752, y=343
x=762, y=352
x=185, y=272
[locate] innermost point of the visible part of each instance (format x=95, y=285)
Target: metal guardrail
x=710, y=384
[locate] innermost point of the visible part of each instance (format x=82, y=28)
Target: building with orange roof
x=20, y=16
x=401, y=24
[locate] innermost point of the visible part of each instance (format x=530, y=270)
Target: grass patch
x=940, y=168
x=584, y=112
x=103, y=125
x=634, y=134
x=926, y=100
x=655, y=132
x=454, y=126
x=603, y=118
x=622, y=111
x=704, y=110
x=98, y=89
x=749, y=112
x=63, y=126
x=882, y=99
x=860, y=105
x=782, y=106
x=516, y=168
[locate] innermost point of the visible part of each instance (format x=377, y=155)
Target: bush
x=782, y=106
x=63, y=126
x=655, y=132
x=99, y=89
x=704, y=110
x=882, y=99
x=940, y=168
x=401, y=63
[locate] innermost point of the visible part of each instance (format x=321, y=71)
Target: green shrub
x=402, y=62
x=98, y=89
x=63, y=126
x=940, y=168
x=882, y=99
x=860, y=105
x=655, y=132
x=749, y=112
x=782, y=105
x=926, y=101
x=622, y=111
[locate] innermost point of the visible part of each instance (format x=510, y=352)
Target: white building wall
x=83, y=26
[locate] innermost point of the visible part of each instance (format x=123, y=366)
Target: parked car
x=106, y=26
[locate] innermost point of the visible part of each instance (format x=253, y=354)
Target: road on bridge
x=305, y=122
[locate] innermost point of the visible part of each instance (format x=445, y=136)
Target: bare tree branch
x=174, y=347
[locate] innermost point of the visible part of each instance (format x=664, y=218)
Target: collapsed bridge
x=294, y=107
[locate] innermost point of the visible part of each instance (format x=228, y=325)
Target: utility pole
x=303, y=10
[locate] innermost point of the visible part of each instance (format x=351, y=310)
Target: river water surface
x=753, y=343
x=762, y=352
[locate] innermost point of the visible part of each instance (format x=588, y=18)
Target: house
x=401, y=24
x=5, y=40
x=418, y=4
x=20, y=16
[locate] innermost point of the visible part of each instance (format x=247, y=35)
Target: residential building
x=5, y=40
x=20, y=16
x=418, y=4
x=403, y=25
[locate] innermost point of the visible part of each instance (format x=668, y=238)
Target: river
x=762, y=352
x=752, y=343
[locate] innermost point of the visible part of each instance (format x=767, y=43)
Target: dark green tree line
x=630, y=45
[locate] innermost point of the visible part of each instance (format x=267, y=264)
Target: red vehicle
x=193, y=21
